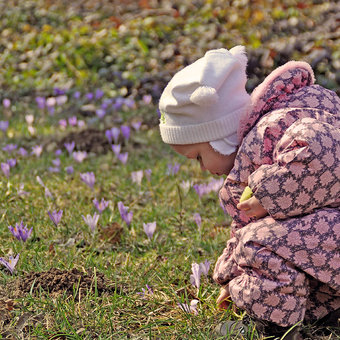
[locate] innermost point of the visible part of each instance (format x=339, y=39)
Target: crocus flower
x=37, y=150
x=40, y=102
x=198, y=220
x=100, y=113
x=5, y=169
x=189, y=309
x=99, y=94
x=185, y=185
x=173, y=169
x=9, y=148
x=116, y=149
x=108, y=135
x=204, y=267
x=115, y=132
x=200, y=189
x=147, y=98
x=32, y=130
x=79, y=156
x=58, y=152
x=58, y=91
x=129, y=102
x=63, y=123
x=123, y=157
x=55, y=216
x=136, y=125
x=137, y=176
x=22, y=152
x=144, y=291
x=69, y=169
x=118, y=103
x=100, y=206
x=124, y=213
x=81, y=123
x=29, y=119
x=73, y=121
x=91, y=221
x=70, y=147
x=20, y=231
x=195, y=278
x=4, y=125
x=56, y=162
x=6, y=103
x=88, y=178
x=89, y=96
x=125, y=131
x=61, y=100
x=76, y=95
x=50, y=102
x=12, y=262
x=149, y=229
x=53, y=169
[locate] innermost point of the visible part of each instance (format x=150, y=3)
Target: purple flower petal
x=149, y=229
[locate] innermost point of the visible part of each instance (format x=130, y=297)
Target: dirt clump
x=56, y=281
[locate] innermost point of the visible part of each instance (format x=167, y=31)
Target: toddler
x=282, y=261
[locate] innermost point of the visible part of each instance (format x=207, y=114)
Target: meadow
x=105, y=232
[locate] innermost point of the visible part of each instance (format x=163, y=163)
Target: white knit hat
x=204, y=101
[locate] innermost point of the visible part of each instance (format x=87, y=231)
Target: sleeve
x=305, y=174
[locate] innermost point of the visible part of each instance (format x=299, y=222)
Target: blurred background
x=132, y=48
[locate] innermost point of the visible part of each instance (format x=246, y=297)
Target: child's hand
x=222, y=301
x=252, y=207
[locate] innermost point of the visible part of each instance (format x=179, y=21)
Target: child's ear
x=239, y=52
x=204, y=96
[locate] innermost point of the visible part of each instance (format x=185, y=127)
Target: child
x=282, y=261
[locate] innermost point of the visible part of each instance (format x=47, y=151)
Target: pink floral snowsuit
x=285, y=267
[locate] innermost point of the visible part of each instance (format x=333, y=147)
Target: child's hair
x=204, y=101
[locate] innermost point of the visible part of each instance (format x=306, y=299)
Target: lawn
x=117, y=223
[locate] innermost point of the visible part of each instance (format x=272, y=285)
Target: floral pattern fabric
x=285, y=267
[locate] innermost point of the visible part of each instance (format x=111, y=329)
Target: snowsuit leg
x=269, y=288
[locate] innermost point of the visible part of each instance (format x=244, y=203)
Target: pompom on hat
x=204, y=101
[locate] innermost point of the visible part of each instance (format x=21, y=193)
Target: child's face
x=208, y=158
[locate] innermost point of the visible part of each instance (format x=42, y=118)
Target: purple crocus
x=91, y=221
x=192, y=308
x=129, y=102
x=76, y=95
x=79, y=156
x=56, y=162
x=115, y=132
x=149, y=229
x=125, y=131
x=9, y=148
x=5, y=169
x=100, y=113
x=195, y=278
x=4, y=125
x=55, y=216
x=63, y=123
x=136, y=125
x=37, y=150
x=11, y=263
x=89, y=96
x=137, y=176
x=124, y=213
x=198, y=220
x=204, y=267
x=116, y=149
x=20, y=231
x=99, y=94
x=70, y=147
x=88, y=178
x=22, y=152
x=173, y=169
x=108, y=135
x=144, y=291
x=100, y=206
x=12, y=162
x=123, y=157
x=69, y=169
x=41, y=101
x=58, y=152
x=118, y=103
x=147, y=98
x=73, y=121
x=6, y=103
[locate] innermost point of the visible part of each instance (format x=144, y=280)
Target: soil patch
x=56, y=281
